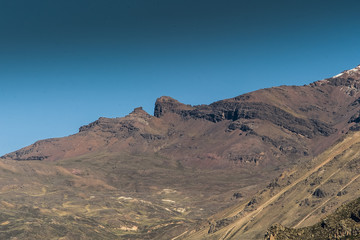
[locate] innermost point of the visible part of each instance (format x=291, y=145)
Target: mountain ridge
x=246, y=106
x=237, y=153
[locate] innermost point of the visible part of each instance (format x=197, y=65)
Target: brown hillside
x=161, y=175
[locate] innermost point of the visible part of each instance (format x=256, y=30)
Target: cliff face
x=285, y=121
x=233, y=110
x=167, y=104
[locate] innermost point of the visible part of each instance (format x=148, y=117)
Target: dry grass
x=291, y=202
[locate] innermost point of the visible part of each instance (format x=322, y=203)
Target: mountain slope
x=298, y=197
x=264, y=127
x=153, y=173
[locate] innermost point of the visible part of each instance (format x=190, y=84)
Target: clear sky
x=66, y=63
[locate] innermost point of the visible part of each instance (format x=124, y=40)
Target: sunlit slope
x=297, y=198
x=162, y=176
x=111, y=196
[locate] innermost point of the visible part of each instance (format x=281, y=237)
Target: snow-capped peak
x=350, y=72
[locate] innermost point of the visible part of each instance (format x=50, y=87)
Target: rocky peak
x=166, y=104
x=89, y=126
x=138, y=110
x=349, y=79
x=355, y=73
x=139, y=113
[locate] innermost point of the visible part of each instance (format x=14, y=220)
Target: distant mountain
x=261, y=153
x=266, y=127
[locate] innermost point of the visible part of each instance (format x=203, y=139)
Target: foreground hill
x=299, y=197
x=343, y=224
x=156, y=177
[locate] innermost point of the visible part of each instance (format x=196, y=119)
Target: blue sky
x=66, y=63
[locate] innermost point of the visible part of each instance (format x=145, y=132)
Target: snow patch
x=351, y=71
x=340, y=74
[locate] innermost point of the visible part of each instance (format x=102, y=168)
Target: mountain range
x=232, y=169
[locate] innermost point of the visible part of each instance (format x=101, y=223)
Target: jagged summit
x=138, y=113
x=168, y=104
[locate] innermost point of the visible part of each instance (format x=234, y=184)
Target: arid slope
x=299, y=197
x=156, y=177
